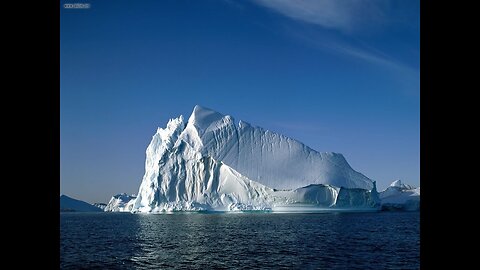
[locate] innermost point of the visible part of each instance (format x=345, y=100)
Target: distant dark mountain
x=68, y=204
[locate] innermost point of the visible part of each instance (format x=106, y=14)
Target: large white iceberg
x=211, y=163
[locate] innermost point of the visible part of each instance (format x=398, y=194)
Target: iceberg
x=209, y=163
x=399, y=196
x=120, y=203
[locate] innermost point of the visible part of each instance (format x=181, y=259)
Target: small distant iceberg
x=120, y=203
x=400, y=197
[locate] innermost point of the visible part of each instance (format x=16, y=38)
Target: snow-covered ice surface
x=211, y=163
x=399, y=196
x=400, y=185
x=264, y=156
x=120, y=203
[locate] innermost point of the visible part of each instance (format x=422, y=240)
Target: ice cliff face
x=210, y=163
x=188, y=181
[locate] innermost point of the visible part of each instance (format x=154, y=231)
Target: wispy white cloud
x=358, y=51
x=343, y=15
x=347, y=17
x=373, y=57
x=409, y=77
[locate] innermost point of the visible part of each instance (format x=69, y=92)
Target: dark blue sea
x=385, y=240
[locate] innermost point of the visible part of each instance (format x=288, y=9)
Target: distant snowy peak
x=267, y=157
x=399, y=196
x=397, y=187
x=399, y=184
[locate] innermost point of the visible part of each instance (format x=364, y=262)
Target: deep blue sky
x=336, y=75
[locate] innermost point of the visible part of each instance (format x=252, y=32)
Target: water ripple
x=243, y=241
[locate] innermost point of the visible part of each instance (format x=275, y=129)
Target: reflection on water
x=242, y=241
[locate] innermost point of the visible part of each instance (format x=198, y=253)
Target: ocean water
x=385, y=240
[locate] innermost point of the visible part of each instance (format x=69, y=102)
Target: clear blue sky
x=340, y=76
